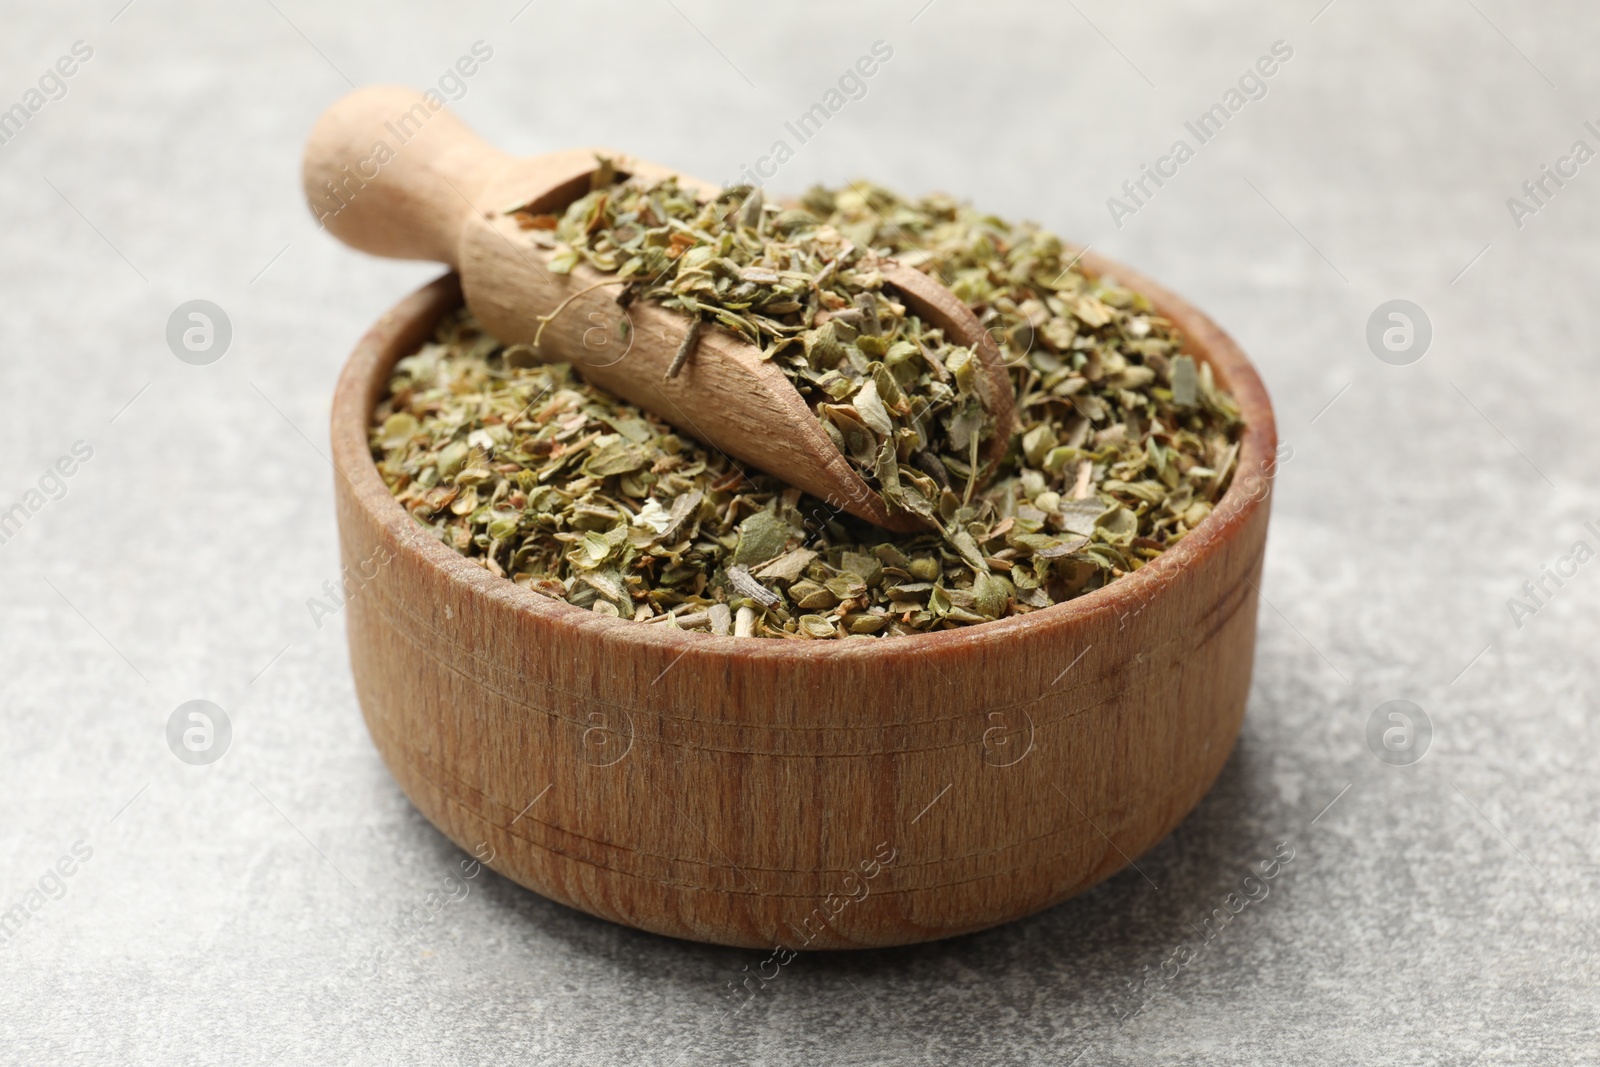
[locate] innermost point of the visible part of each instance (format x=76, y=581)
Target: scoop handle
x=392, y=172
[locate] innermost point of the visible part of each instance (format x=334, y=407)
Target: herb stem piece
x=691, y=337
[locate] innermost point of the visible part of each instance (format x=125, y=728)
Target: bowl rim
x=365, y=374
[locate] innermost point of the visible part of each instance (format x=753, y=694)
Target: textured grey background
x=1439, y=913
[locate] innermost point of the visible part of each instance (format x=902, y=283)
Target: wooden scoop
x=391, y=172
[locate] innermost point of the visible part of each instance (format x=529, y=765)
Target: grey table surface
x=1443, y=911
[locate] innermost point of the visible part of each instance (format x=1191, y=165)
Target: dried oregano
x=899, y=401
x=1122, y=444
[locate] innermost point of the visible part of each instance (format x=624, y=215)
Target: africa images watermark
x=1252, y=85
x=403, y=128
x=51, y=86
x=1538, y=592
x=1253, y=889
x=199, y=732
x=52, y=885
x=349, y=585
x=1539, y=191
x=851, y=87
x=52, y=486
x=855, y=889
x=451, y=889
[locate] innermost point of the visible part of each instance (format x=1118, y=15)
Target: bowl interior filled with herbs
x=1123, y=441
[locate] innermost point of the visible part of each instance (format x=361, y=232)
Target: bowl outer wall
x=804, y=794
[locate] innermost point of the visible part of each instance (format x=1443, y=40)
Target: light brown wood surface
x=740, y=791
x=443, y=194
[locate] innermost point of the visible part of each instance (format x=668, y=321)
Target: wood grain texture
x=441, y=193
x=742, y=791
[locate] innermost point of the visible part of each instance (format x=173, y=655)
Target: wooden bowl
x=799, y=794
